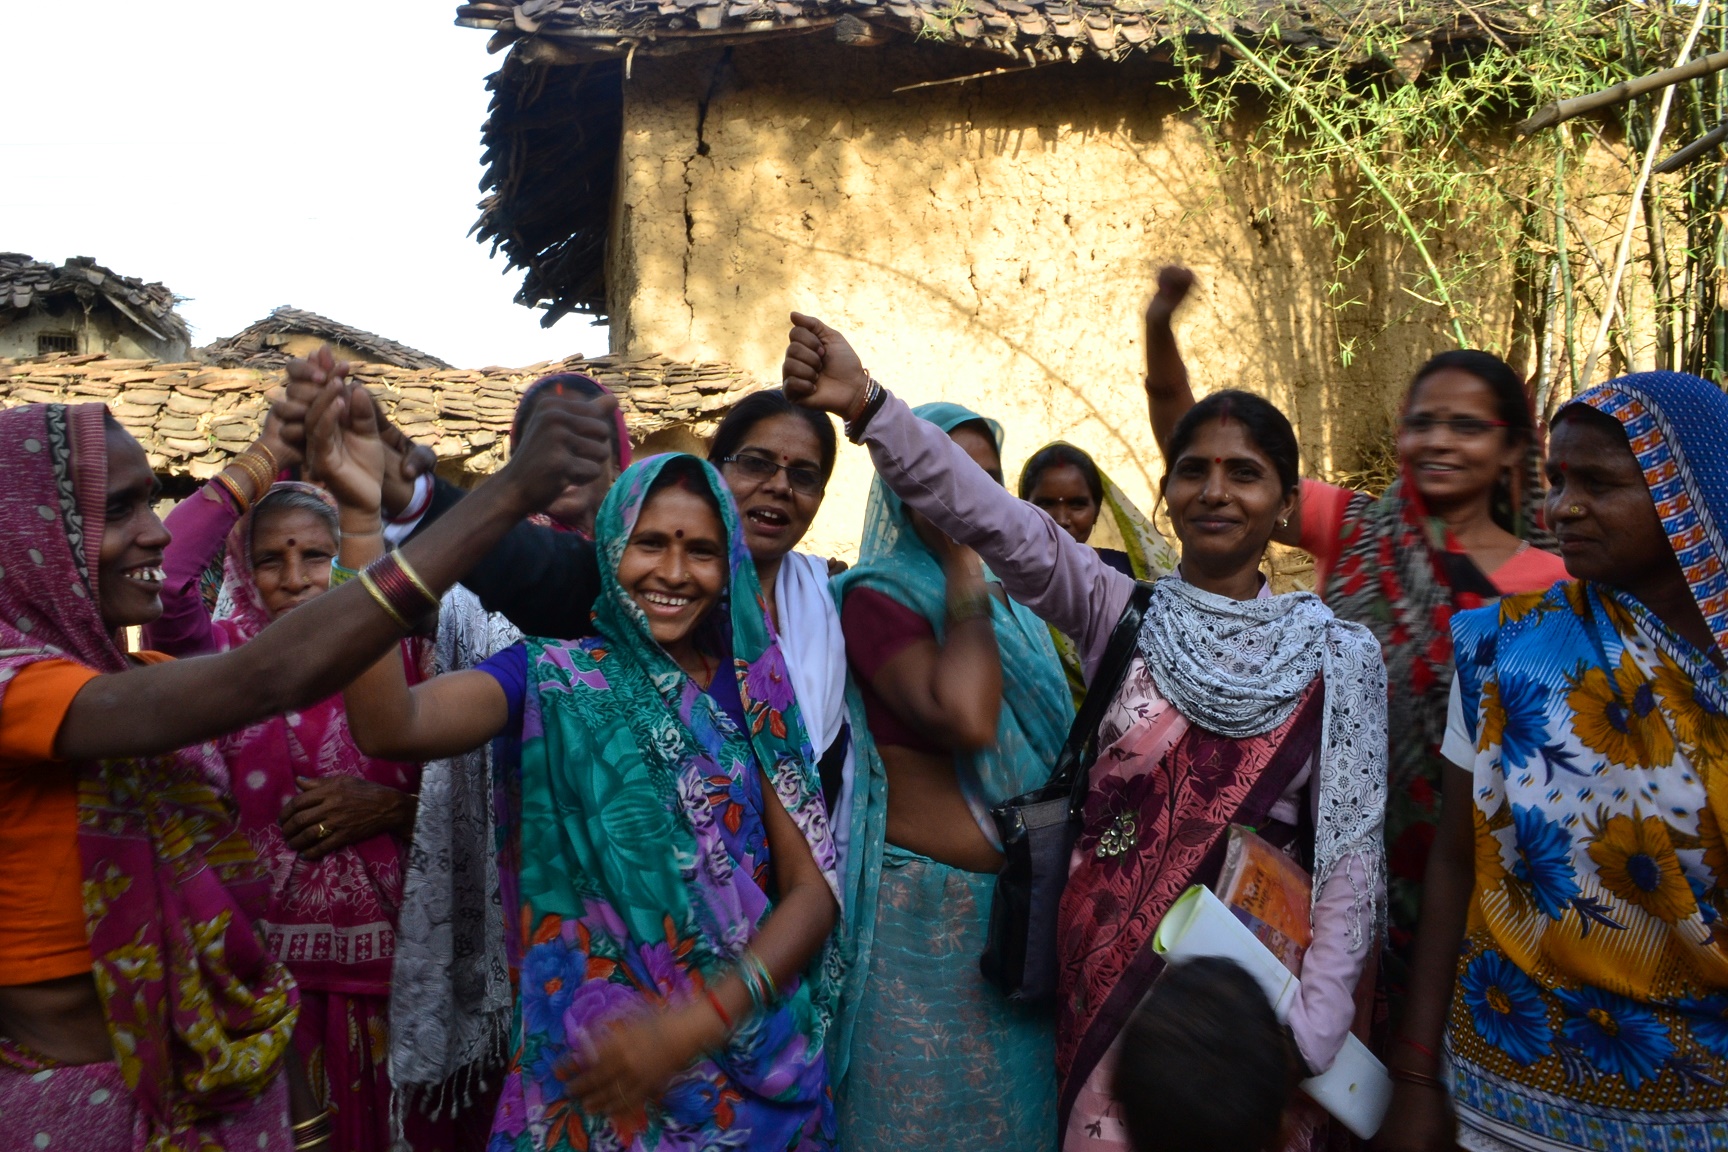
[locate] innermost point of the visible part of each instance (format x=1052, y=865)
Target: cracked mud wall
x=991, y=243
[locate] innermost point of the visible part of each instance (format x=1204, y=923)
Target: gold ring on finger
x=323, y=832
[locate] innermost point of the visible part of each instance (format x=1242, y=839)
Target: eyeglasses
x=804, y=481
x=1464, y=427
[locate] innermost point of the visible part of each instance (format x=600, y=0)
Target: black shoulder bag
x=1038, y=830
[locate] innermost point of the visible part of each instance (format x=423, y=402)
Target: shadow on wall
x=994, y=242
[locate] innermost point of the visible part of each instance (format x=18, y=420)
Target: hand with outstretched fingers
x=333, y=812
x=568, y=441
x=821, y=370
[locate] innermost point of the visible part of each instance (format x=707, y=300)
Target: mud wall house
x=81, y=307
x=977, y=193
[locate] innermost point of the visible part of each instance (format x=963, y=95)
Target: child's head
x=1204, y=1064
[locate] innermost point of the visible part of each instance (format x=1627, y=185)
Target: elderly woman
x=139, y=1005
x=329, y=823
x=674, y=866
x=1570, y=958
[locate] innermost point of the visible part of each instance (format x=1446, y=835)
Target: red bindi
x=1217, y=459
x=679, y=534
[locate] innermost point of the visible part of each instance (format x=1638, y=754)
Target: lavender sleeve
x=1325, y=1008
x=199, y=524
x=1039, y=564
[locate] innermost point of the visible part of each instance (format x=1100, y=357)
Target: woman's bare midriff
x=60, y=1019
x=928, y=815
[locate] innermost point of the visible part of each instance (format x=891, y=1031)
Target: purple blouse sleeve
x=1039, y=564
x=198, y=524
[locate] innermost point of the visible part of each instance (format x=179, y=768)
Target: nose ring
x=1576, y=510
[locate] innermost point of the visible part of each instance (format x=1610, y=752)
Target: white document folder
x=1356, y=1088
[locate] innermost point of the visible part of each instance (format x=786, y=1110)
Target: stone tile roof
x=192, y=417
x=25, y=281
x=254, y=346
x=1033, y=31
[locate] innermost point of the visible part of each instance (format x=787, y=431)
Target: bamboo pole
x=1656, y=129
x=1552, y=114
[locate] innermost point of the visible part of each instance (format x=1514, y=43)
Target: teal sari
x=644, y=867
x=930, y=1055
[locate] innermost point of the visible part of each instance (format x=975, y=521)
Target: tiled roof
x=1033, y=32
x=25, y=281
x=192, y=418
x=253, y=346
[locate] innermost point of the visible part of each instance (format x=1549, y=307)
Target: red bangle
x=1422, y=1048
x=718, y=1010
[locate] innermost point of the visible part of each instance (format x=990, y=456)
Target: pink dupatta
x=333, y=920
x=199, y=1012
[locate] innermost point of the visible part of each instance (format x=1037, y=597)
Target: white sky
x=249, y=155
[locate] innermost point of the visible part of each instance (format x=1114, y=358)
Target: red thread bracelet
x=1422, y=1048
x=718, y=1010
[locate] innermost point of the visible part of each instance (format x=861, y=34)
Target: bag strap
x=1105, y=681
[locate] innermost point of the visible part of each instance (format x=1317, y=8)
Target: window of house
x=47, y=342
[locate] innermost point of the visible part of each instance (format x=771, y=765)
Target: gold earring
x=1284, y=522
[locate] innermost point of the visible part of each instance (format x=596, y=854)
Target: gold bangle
x=414, y=579
x=371, y=586
x=223, y=479
x=262, y=477
x=270, y=460
x=322, y=1118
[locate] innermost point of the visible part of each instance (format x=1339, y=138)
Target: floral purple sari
x=643, y=866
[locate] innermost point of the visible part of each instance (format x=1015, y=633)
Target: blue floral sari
x=1591, y=1009
x=643, y=866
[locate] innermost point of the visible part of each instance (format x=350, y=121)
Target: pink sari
x=332, y=920
x=199, y=1011
x=1162, y=797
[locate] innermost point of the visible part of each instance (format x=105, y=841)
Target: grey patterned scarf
x=1239, y=668
x=450, y=987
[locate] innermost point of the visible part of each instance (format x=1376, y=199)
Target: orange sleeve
x=36, y=702
x=34, y=706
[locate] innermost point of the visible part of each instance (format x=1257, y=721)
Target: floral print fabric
x=1592, y=999
x=644, y=867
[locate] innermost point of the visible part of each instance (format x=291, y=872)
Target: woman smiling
x=676, y=882
x=139, y=1005
x=1458, y=528
x=1238, y=707
x=329, y=823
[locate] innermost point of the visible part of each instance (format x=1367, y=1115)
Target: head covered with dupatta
x=200, y=1014
x=1036, y=706
x=643, y=858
